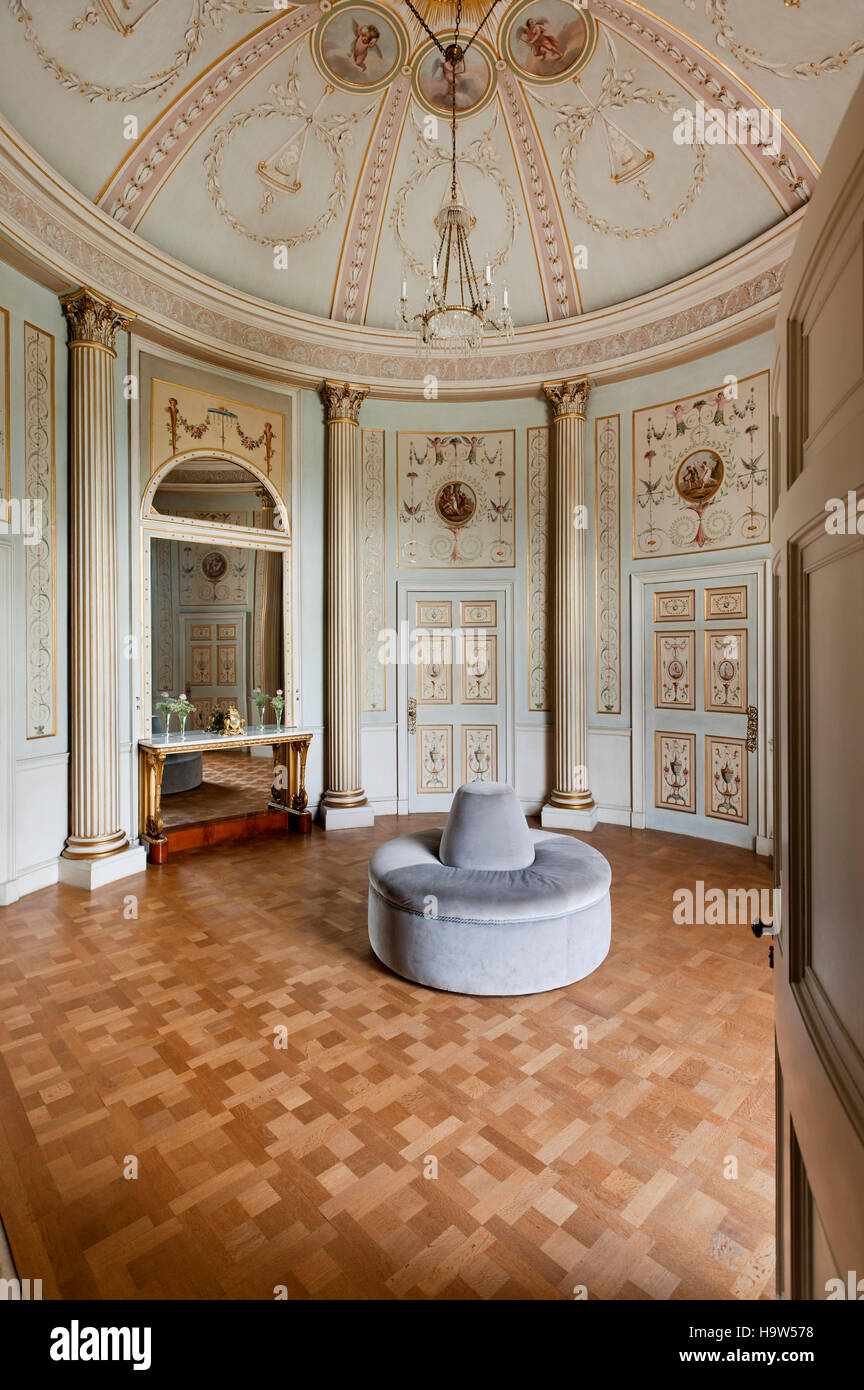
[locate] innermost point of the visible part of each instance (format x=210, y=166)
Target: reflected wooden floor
x=639, y=1166
x=234, y=785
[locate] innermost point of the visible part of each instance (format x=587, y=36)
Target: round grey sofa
x=487, y=906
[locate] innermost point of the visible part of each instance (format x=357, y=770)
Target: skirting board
x=30, y=881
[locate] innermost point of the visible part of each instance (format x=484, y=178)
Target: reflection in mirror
x=217, y=626
x=217, y=490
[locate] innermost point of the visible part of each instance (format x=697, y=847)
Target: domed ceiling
x=300, y=153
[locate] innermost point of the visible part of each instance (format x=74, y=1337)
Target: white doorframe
x=760, y=571
x=505, y=588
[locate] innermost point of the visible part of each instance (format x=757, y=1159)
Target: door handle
x=412, y=715
x=752, y=728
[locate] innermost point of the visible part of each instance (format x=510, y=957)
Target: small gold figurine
x=233, y=723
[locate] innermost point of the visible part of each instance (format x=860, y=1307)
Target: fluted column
x=344, y=803
x=95, y=825
x=570, y=803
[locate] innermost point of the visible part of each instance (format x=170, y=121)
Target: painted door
x=456, y=694
x=818, y=539
x=700, y=673
x=214, y=666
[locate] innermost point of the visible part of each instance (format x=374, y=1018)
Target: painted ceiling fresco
x=300, y=153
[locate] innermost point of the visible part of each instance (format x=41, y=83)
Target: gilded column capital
x=568, y=397
x=342, y=402
x=92, y=319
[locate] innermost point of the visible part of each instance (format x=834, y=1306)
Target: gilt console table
x=287, y=795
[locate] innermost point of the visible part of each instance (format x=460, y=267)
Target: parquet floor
x=311, y=1166
x=234, y=785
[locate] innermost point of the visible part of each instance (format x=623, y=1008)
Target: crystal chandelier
x=459, y=307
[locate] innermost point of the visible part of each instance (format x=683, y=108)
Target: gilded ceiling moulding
x=56, y=234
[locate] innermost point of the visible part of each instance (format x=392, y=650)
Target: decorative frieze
x=607, y=563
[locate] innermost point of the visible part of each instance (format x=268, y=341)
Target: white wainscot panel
x=609, y=768
x=379, y=745
x=41, y=802
x=533, y=765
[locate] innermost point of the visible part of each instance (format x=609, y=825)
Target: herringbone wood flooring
x=603, y=1166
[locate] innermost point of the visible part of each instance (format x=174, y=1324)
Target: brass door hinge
x=412, y=715
x=752, y=728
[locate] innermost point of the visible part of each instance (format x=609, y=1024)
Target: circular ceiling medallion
x=548, y=42
x=699, y=476
x=455, y=503
x=433, y=79
x=359, y=47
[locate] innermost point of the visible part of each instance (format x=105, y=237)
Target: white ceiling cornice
x=59, y=236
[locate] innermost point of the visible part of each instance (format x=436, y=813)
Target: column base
x=346, y=817
x=95, y=873
x=567, y=818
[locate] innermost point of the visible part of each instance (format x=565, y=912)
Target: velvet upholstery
x=486, y=829
x=494, y=931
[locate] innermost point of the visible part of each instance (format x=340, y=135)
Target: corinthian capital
x=568, y=397
x=92, y=319
x=342, y=402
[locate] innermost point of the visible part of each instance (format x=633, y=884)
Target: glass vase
x=182, y=718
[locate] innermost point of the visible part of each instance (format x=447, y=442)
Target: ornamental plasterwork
x=607, y=562
x=481, y=155
x=124, y=17
x=726, y=37
x=40, y=596
x=539, y=569
x=281, y=172
x=372, y=568
x=716, y=88
x=628, y=159
x=701, y=470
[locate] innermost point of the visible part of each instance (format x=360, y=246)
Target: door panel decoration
x=701, y=471
x=726, y=671
x=225, y=632
x=200, y=666
x=726, y=603
x=607, y=562
x=203, y=710
x=455, y=499
x=201, y=632
x=673, y=670
x=479, y=671
x=39, y=570
x=435, y=758
x=675, y=607
x=479, y=753
x=726, y=779
x=674, y=763
x=438, y=614
x=539, y=568
x=435, y=676
x=226, y=665
x=372, y=568
x=481, y=614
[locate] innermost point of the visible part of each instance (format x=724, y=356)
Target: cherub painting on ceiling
x=548, y=39
x=359, y=46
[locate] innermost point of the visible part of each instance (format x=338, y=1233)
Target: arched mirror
x=219, y=610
